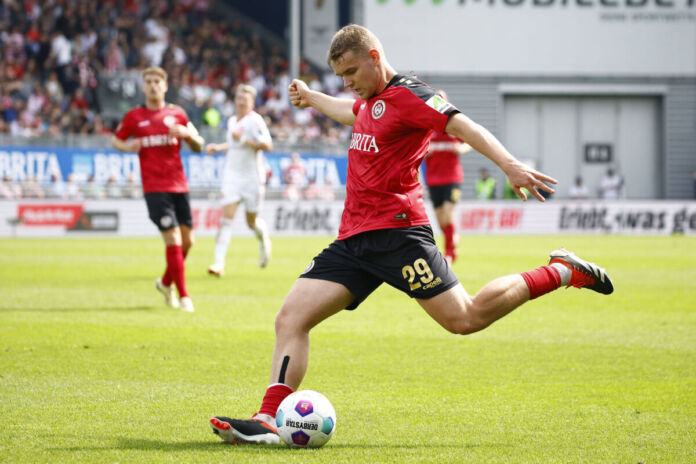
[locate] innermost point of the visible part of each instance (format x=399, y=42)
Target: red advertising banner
x=49, y=214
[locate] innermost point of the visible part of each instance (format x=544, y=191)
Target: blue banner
x=203, y=171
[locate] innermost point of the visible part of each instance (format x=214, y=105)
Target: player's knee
x=286, y=321
x=465, y=325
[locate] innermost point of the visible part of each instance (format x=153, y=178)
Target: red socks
x=175, y=269
x=275, y=394
x=167, y=277
x=542, y=280
x=449, y=232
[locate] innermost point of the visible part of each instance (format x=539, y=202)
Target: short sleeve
x=125, y=129
x=260, y=130
x=423, y=108
x=183, y=117
x=356, y=106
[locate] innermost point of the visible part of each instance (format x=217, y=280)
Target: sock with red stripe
x=167, y=277
x=542, y=280
x=448, y=231
x=175, y=268
x=275, y=394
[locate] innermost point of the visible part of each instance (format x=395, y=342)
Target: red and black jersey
x=161, y=169
x=391, y=136
x=442, y=167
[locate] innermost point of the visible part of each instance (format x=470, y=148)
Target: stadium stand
x=73, y=67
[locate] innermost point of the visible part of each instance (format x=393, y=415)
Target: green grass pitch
x=95, y=369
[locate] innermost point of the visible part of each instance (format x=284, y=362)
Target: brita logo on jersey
x=364, y=142
x=158, y=140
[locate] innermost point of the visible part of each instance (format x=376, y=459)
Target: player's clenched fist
x=133, y=145
x=298, y=93
x=180, y=131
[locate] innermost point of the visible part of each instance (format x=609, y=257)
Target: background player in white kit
x=244, y=176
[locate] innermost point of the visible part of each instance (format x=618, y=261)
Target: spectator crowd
x=70, y=189
x=57, y=53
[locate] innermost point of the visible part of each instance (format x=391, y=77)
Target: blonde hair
x=157, y=71
x=357, y=39
x=246, y=88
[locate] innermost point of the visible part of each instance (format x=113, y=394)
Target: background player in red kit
x=157, y=130
x=443, y=176
x=384, y=234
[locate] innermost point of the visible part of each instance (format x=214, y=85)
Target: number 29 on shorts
x=419, y=269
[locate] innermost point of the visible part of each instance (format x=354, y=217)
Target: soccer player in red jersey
x=443, y=176
x=384, y=234
x=157, y=130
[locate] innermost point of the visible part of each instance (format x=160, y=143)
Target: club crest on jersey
x=378, y=109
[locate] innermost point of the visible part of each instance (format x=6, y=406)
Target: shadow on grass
x=99, y=309
x=160, y=445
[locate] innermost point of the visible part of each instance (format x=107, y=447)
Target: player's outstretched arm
x=481, y=140
x=131, y=146
x=338, y=109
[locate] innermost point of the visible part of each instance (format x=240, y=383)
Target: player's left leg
x=187, y=239
x=260, y=228
x=253, y=202
x=223, y=237
x=309, y=302
x=460, y=313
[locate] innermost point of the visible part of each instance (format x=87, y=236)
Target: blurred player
x=443, y=176
x=384, y=234
x=157, y=130
x=244, y=177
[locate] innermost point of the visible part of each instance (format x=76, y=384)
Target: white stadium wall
x=128, y=218
x=537, y=37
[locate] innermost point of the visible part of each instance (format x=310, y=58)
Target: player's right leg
x=309, y=302
x=445, y=218
x=222, y=240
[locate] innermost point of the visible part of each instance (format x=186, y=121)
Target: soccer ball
x=306, y=419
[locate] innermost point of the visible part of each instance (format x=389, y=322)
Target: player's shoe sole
x=169, y=293
x=583, y=273
x=238, y=431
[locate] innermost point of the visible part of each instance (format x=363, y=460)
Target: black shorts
x=406, y=259
x=442, y=193
x=168, y=210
